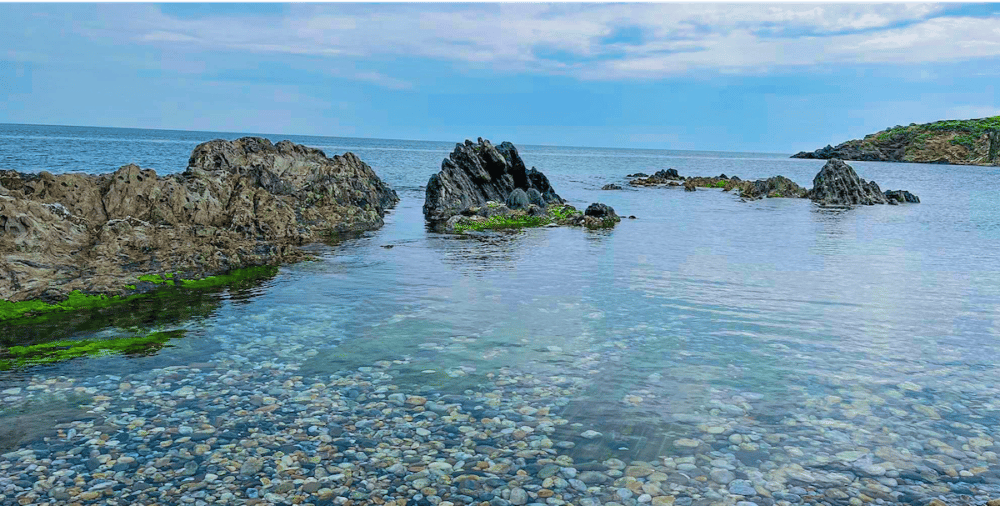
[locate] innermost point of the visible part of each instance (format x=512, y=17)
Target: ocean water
x=818, y=332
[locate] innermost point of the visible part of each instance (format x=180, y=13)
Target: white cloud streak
x=579, y=40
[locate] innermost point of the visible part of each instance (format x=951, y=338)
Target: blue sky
x=739, y=77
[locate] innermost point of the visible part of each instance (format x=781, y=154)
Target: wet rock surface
x=239, y=203
x=486, y=187
x=477, y=173
x=837, y=184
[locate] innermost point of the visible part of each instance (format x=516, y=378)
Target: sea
x=752, y=337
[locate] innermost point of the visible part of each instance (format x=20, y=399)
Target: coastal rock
x=838, y=184
x=772, y=187
x=476, y=173
x=659, y=177
x=611, y=186
x=901, y=196
x=485, y=187
x=960, y=142
x=239, y=203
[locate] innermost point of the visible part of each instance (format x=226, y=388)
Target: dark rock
x=838, y=184
x=599, y=210
x=239, y=203
x=772, y=187
x=535, y=197
x=901, y=196
x=689, y=186
x=638, y=174
x=611, y=186
x=477, y=173
x=517, y=199
x=659, y=177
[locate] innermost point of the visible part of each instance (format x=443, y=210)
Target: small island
x=955, y=142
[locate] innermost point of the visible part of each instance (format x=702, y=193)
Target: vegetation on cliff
x=959, y=142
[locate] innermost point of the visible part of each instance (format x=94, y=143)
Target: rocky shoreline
x=239, y=204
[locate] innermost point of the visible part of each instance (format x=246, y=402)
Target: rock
x=838, y=184
x=611, y=186
x=476, y=173
x=638, y=174
x=901, y=196
x=721, y=476
x=239, y=203
x=536, y=198
x=772, y=187
x=658, y=178
x=518, y=496
x=598, y=210
x=742, y=487
x=599, y=215
x=518, y=199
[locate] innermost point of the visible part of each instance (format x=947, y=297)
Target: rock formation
x=659, y=177
x=474, y=174
x=835, y=184
x=958, y=142
x=482, y=186
x=239, y=203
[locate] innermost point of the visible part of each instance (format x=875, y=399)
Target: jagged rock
x=838, y=184
x=638, y=174
x=901, y=196
x=239, y=203
x=475, y=173
x=611, y=186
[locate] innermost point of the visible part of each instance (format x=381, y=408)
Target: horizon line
x=383, y=138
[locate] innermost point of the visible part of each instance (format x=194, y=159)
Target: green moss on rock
x=17, y=357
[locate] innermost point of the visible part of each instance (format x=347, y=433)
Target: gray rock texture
x=477, y=173
x=838, y=184
x=240, y=203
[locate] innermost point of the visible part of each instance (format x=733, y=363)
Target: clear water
x=786, y=311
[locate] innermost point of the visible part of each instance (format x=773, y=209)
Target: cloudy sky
x=740, y=77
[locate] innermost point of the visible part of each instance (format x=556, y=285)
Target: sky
x=756, y=77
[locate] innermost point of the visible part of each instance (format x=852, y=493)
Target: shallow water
x=870, y=330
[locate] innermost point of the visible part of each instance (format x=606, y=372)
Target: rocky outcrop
x=611, y=186
x=901, y=196
x=958, y=142
x=482, y=186
x=477, y=173
x=772, y=187
x=239, y=203
x=660, y=177
x=838, y=184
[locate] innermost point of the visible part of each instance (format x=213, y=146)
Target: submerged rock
x=838, y=184
x=239, y=203
x=611, y=186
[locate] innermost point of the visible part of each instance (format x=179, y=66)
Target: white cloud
x=675, y=38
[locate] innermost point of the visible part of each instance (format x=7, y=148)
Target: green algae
x=32, y=312
x=502, y=222
x=76, y=300
x=19, y=357
x=238, y=276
